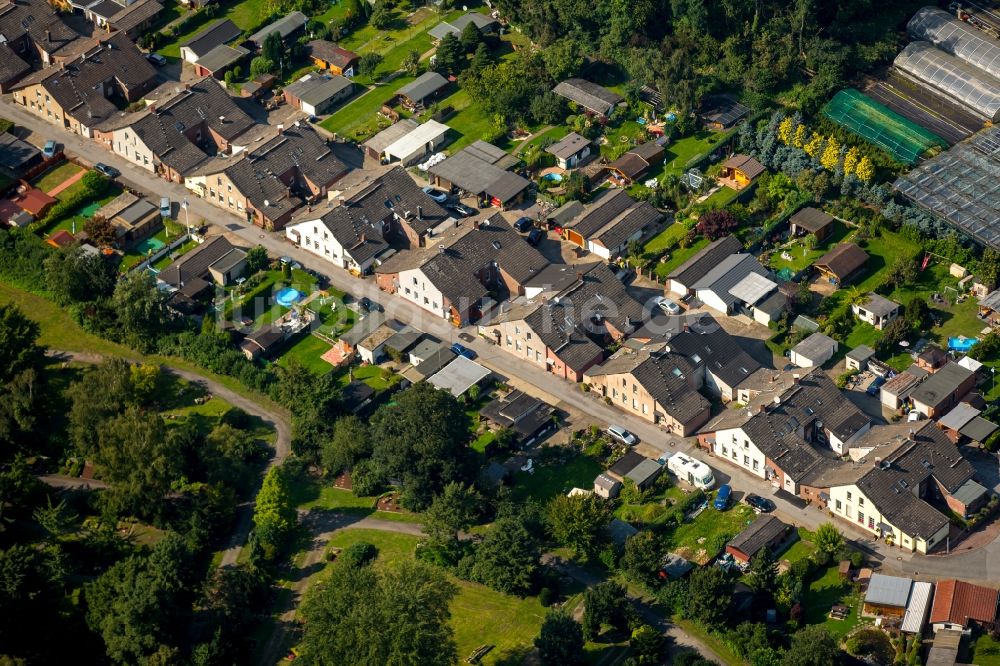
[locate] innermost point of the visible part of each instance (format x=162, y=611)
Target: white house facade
x=849, y=503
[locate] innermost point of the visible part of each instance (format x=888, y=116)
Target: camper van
x=691, y=470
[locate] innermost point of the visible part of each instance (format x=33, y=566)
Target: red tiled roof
x=61, y=238
x=957, y=602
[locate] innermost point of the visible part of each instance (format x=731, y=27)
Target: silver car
x=622, y=435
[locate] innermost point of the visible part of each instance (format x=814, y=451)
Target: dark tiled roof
x=165, y=129
x=843, y=260
x=589, y=95
x=105, y=9
x=705, y=260
x=880, y=306
x=568, y=146
x=750, y=167
x=136, y=14
x=195, y=263
x=35, y=17
x=628, y=223
x=635, y=162
x=331, y=53
x=435, y=362
x=297, y=149
x=424, y=85
x=222, y=31
x=626, y=463
x=892, y=486
x=222, y=56
x=811, y=219
x=721, y=353
x=522, y=413
x=468, y=170
x=358, y=235
x=15, y=154
x=11, y=65
x=315, y=89
x=758, y=534
x=601, y=212
x=284, y=26
x=665, y=377
x=78, y=88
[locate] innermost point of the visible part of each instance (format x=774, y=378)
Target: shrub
x=358, y=554
x=546, y=597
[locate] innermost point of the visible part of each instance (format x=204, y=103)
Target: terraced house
x=270, y=182
x=83, y=92
x=174, y=137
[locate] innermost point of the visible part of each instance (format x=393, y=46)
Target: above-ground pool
x=961, y=344
x=287, y=296
x=553, y=176
x=149, y=245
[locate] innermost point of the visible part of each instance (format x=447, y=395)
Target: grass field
x=822, y=594
x=800, y=549
x=307, y=352
x=357, y=120
x=244, y=13
x=985, y=651
x=56, y=176
x=679, y=256
x=369, y=374
x=551, y=480
x=667, y=238
x=712, y=526
x=721, y=197
x=468, y=121
x=802, y=256
x=679, y=153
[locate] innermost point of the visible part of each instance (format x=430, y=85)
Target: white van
x=691, y=470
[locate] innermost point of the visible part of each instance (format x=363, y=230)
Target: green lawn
x=244, y=13
x=551, y=480
x=986, y=651
x=714, y=527
x=307, y=352
x=621, y=138
x=803, y=256
x=468, y=121
x=823, y=593
x=480, y=443
x=720, y=197
x=76, y=221
x=56, y=175
x=170, y=257
x=554, y=134
x=798, y=550
x=862, y=334
x=369, y=374
x=682, y=151
x=679, y=256
x=669, y=237
x=358, y=120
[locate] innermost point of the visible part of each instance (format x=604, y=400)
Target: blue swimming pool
x=961, y=344
x=553, y=177
x=287, y=296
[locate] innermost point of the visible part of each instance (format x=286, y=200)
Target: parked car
x=721, y=502
x=108, y=171
x=873, y=388
x=462, y=350
x=49, y=151
x=622, y=435
x=369, y=305
x=437, y=195
x=759, y=504
x=913, y=415
x=156, y=59
x=535, y=236
x=523, y=224
x=165, y=207
x=667, y=305
x=464, y=211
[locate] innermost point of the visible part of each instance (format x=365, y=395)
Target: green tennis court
x=904, y=140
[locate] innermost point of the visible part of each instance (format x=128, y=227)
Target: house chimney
x=420, y=212
x=342, y=201
x=761, y=407
x=686, y=327
x=151, y=107
x=579, y=276
x=281, y=128
x=795, y=378
x=187, y=86
x=48, y=36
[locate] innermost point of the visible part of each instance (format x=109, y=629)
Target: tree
x=763, y=572
x=831, y=154
x=381, y=17
x=560, y=641
x=19, y=350
x=481, y=59
x=865, y=170
x=273, y=50
x=709, y=594
x=138, y=461
x=233, y=594
x=647, y=645
x=140, y=309
x=370, y=617
x=604, y=603
x=892, y=333
x=260, y=66
x=273, y=514
x=100, y=231
x=411, y=63
x=348, y=445
x=717, y=223
x=578, y=522
x=74, y=276
x=988, y=267
x=56, y=519
x=901, y=272
x=642, y=557
x=470, y=37
x=315, y=404
x=368, y=63
x=256, y=260
x=851, y=158
x=449, y=56
x=916, y=313
x=421, y=439
x=828, y=538
x=451, y=512
x=507, y=558
x=547, y=108
x=812, y=646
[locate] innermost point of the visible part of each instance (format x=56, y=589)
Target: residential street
x=976, y=565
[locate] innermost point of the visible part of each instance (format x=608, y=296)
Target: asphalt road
x=981, y=564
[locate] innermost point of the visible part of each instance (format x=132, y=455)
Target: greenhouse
x=956, y=37
x=961, y=186
x=901, y=138
x=966, y=84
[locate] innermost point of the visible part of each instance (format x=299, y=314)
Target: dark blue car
x=523, y=224
x=875, y=385
x=462, y=350
x=721, y=502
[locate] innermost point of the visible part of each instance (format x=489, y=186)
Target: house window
x=415, y=283
x=645, y=408
x=839, y=506
x=517, y=345
x=407, y=289
x=426, y=301
x=861, y=501
x=871, y=523
x=509, y=341
x=746, y=460
x=434, y=305
x=635, y=389
x=624, y=383
x=734, y=454
x=528, y=336
x=848, y=495
x=517, y=330
x=218, y=181
x=861, y=517
x=635, y=405
x=529, y=350
x=755, y=465
x=538, y=356
x=725, y=451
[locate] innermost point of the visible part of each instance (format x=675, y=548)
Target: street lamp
x=187, y=215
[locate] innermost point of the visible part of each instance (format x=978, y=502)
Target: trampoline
x=287, y=296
